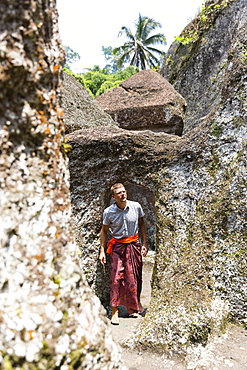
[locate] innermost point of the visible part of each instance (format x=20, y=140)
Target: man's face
x=120, y=195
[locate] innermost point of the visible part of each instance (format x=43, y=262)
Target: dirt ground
x=226, y=352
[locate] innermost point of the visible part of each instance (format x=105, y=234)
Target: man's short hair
x=116, y=186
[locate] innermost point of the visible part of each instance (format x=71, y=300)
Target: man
x=124, y=219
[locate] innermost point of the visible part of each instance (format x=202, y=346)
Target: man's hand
x=143, y=234
x=144, y=251
x=102, y=257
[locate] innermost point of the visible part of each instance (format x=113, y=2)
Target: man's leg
x=114, y=317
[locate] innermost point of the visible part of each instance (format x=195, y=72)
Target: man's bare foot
x=114, y=317
x=141, y=308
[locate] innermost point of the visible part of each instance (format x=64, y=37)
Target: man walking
x=124, y=219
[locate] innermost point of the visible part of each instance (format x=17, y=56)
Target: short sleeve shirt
x=123, y=222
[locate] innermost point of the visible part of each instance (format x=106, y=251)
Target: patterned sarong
x=126, y=275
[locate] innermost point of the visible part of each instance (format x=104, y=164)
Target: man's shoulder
x=132, y=203
x=110, y=209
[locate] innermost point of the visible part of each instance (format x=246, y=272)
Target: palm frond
x=154, y=50
x=127, y=33
x=124, y=58
x=139, y=26
x=122, y=48
x=159, y=38
x=150, y=26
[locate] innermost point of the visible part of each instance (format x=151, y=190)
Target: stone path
x=229, y=352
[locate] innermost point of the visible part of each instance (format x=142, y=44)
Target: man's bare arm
x=143, y=234
x=103, y=243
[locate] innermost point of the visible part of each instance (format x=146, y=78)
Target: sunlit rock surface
x=145, y=101
x=80, y=109
x=50, y=319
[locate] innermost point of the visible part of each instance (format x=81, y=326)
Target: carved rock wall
x=50, y=318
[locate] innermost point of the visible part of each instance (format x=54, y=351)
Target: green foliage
x=107, y=85
x=126, y=73
x=65, y=148
x=139, y=50
x=190, y=37
x=94, y=79
x=202, y=23
x=97, y=80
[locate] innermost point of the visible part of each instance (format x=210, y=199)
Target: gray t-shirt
x=123, y=222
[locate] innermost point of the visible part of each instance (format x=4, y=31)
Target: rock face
x=80, y=109
x=50, y=319
x=198, y=182
x=145, y=101
x=197, y=65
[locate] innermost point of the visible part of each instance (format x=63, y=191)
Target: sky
x=86, y=26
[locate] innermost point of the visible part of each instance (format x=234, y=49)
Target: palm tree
x=139, y=48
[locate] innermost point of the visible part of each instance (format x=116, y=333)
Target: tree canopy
x=139, y=50
x=97, y=80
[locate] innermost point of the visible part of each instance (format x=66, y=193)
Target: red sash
x=127, y=239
